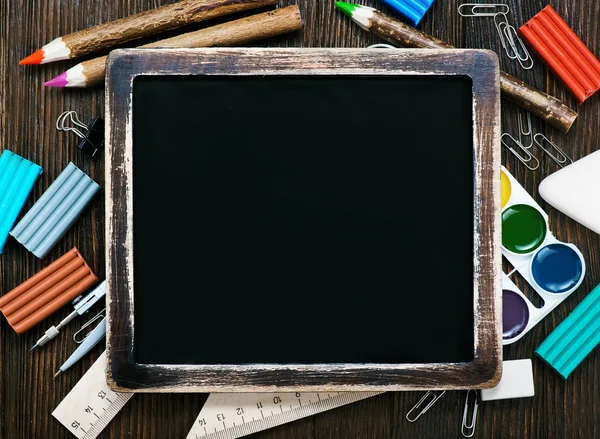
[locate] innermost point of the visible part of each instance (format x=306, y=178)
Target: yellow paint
x=506, y=189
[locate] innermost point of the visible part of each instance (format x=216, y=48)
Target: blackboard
x=301, y=219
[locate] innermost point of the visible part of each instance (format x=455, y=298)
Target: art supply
x=43, y=294
x=91, y=135
x=573, y=340
x=511, y=43
x=542, y=105
x=413, y=10
x=234, y=415
x=575, y=191
x=516, y=382
x=56, y=211
x=17, y=177
x=91, y=340
x=237, y=32
x=90, y=405
x=136, y=26
x=551, y=38
x=553, y=269
x=81, y=307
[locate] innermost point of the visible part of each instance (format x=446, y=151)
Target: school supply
x=553, y=269
x=467, y=427
x=43, y=294
x=566, y=347
x=521, y=148
x=136, y=26
x=516, y=382
x=237, y=32
x=90, y=405
x=82, y=306
x=91, y=135
x=91, y=340
x=428, y=400
x=551, y=38
x=575, y=191
x=413, y=10
x=56, y=211
x=511, y=43
x=17, y=177
x=541, y=104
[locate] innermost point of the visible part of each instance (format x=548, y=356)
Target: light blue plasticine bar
x=17, y=177
x=575, y=337
x=56, y=211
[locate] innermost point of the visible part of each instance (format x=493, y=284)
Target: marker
x=88, y=343
x=81, y=307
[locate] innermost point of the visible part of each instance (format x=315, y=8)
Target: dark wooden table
x=28, y=394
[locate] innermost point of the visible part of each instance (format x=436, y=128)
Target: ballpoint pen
x=86, y=345
x=81, y=307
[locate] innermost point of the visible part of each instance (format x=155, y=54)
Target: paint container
x=554, y=269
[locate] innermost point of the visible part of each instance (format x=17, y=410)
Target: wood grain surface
x=28, y=394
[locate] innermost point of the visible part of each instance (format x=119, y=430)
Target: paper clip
x=91, y=135
x=562, y=158
x=488, y=9
x=525, y=130
x=528, y=155
x=509, y=39
x=435, y=396
x=468, y=428
x=381, y=46
x=98, y=316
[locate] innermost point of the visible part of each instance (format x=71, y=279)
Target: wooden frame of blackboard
x=125, y=374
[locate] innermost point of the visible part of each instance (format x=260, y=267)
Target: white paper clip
x=468, y=427
x=432, y=396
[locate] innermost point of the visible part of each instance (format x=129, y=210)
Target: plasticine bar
x=575, y=337
x=46, y=292
x=17, y=177
x=56, y=211
x=413, y=10
x=562, y=50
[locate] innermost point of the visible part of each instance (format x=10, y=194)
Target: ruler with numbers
x=91, y=405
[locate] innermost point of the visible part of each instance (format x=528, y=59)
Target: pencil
x=138, y=26
x=541, y=104
x=255, y=27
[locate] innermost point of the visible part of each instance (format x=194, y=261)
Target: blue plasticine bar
x=575, y=337
x=56, y=211
x=17, y=177
x=414, y=10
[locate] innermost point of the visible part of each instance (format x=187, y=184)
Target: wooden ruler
x=91, y=405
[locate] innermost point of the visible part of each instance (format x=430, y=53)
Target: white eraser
x=516, y=382
x=575, y=191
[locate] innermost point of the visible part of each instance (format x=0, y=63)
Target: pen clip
x=100, y=316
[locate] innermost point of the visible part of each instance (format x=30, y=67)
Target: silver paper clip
x=511, y=42
x=561, y=159
x=525, y=129
x=482, y=9
x=529, y=157
x=467, y=427
x=98, y=317
x=432, y=396
x=61, y=123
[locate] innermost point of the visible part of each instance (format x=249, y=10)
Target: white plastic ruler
x=91, y=405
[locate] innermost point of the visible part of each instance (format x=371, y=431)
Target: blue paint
x=557, y=268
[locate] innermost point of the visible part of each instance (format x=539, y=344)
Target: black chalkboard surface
x=302, y=220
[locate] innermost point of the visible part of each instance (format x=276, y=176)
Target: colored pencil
x=541, y=104
x=137, y=26
x=244, y=30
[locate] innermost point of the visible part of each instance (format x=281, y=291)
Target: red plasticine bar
x=561, y=49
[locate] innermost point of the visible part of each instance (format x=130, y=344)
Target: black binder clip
x=91, y=135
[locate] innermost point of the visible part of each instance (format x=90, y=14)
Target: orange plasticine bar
x=46, y=292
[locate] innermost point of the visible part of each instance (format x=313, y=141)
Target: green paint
x=347, y=8
x=523, y=228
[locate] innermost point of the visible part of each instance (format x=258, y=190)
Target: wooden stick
x=255, y=27
x=138, y=26
x=541, y=104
